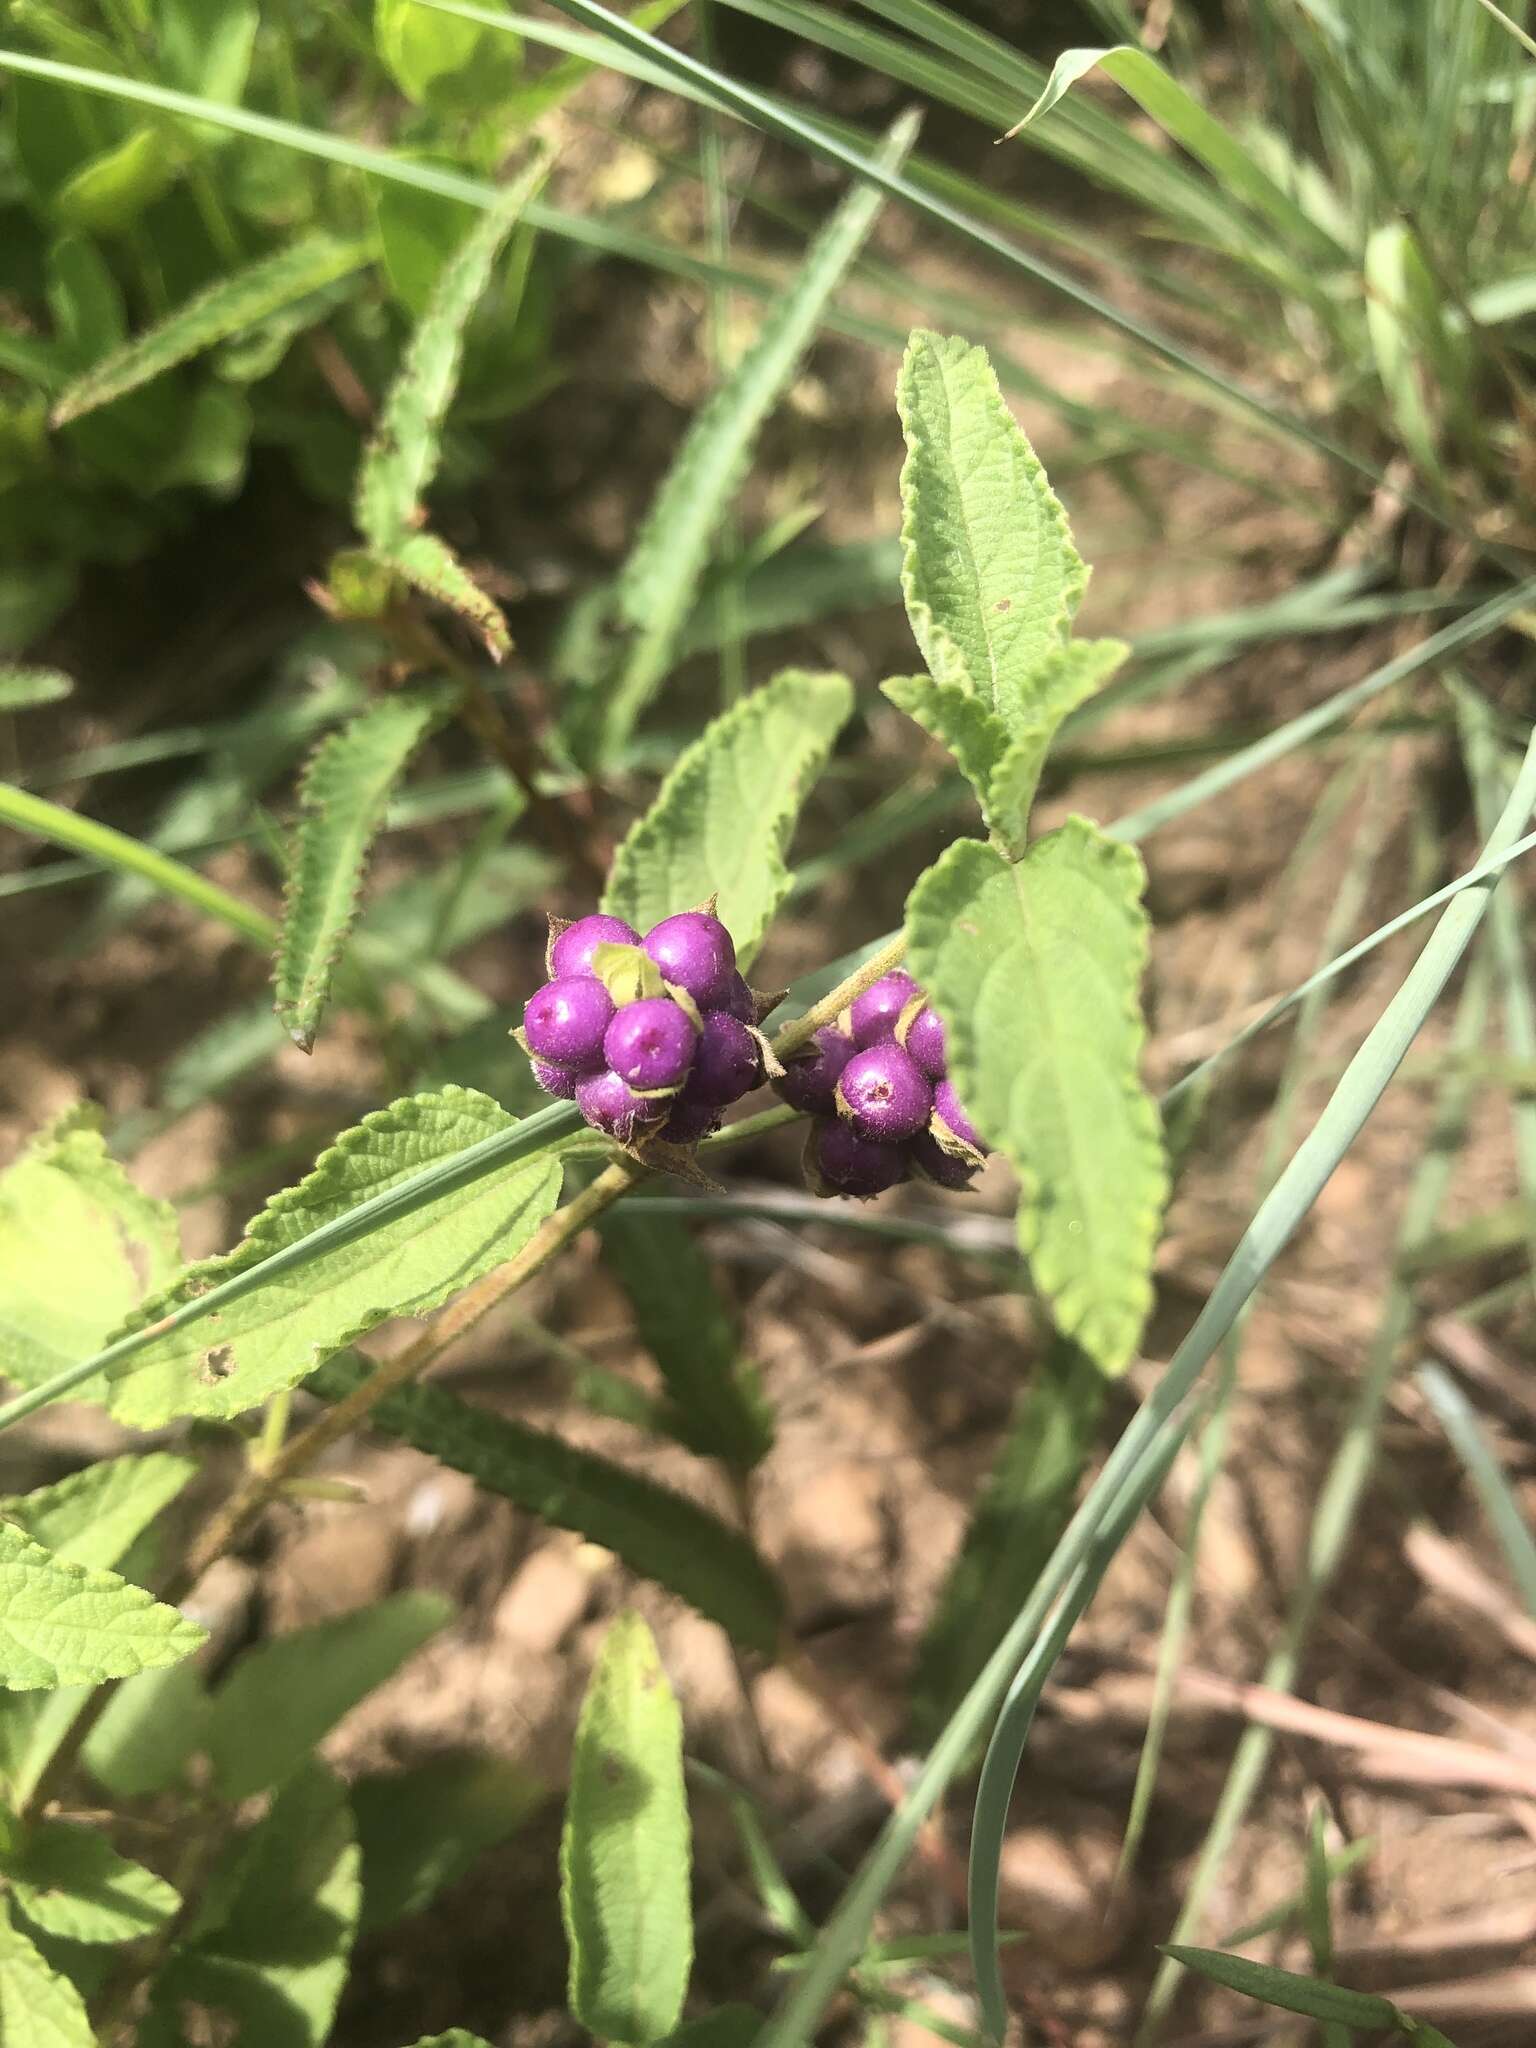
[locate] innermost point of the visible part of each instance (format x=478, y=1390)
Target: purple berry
x=810, y=1081
x=694, y=952
x=650, y=1044
x=565, y=1020
x=854, y=1165
x=727, y=1063
x=934, y=1163
x=948, y=1111
x=572, y=951
x=611, y=1106
x=561, y=1081
x=924, y=1039
x=884, y=1095
x=740, y=1001
x=687, y=1122
x=873, y=1015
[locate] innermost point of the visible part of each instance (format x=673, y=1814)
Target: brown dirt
x=893, y=1373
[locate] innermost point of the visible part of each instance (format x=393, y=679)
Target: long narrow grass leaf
x=1356, y=1095
x=1494, y=1489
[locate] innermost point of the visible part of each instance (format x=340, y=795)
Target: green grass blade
x=116, y=850
x=1342, y=1488
x=1332, y=969
x=659, y=582
x=228, y=306
x=1500, y=1504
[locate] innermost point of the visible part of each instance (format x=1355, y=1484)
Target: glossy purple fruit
x=934, y=1163
x=572, y=951
x=947, y=1108
x=810, y=1082
x=727, y=1062
x=561, y=1081
x=694, y=952
x=854, y=1165
x=565, y=1020
x=884, y=1094
x=611, y=1106
x=687, y=1122
x=740, y=1001
x=924, y=1039
x=872, y=1016
x=650, y=1044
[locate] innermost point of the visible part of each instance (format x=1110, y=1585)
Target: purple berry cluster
x=663, y=1058
x=877, y=1086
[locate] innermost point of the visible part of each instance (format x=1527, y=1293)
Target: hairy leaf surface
x=722, y=819
x=1035, y=966
x=70, y=1882
x=66, y=1624
x=403, y=456
x=658, y=1533
x=240, y=300
x=279, y=1332
x=990, y=576
x=39, y=2008
x=285, y=1694
x=430, y=566
x=686, y=1326
x=79, y=1249
x=658, y=584
x=626, y=1848
x=94, y=1515
x=342, y=801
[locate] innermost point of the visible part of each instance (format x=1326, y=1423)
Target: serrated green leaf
x=991, y=579
x=277, y=1333
x=22, y=688
x=1241, y=174
x=430, y=566
x=342, y=798
x=684, y=1324
x=39, y=2008
x=1035, y=966
x=1065, y=679
x=948, y=712
x=284, y=1695
x=79, y=1248
x=66, y=1624
x=70, y=1882
x=656, y=589
x=626, y=1848
x=656, y=1532
x=1022, y=1509
x=271, y=1946
x=402, y=458
x=231, y=305
x=722, y=819
x=421, y=1830
x=93, y=1516
x=1318, y=2001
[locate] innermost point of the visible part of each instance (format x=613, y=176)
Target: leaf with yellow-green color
x=1035, y=966
x=626, y=1848
x=66, y=1624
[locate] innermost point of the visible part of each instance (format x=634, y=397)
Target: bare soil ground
x=894, y=1372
